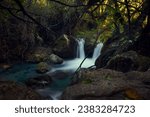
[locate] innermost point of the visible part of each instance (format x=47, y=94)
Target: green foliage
x=110, y=16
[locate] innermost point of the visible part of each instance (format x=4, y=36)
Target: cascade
x=80, y=48
x=97, y=50
x=80, y=55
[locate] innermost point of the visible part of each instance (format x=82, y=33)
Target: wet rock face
x=39, y=82
x=12, y=91
x=108, y=84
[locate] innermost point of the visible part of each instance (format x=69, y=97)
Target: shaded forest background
x=26, y=24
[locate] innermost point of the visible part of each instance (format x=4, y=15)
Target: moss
x=42, y=67
x=87, y=81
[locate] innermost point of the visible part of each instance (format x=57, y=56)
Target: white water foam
x=80, y=56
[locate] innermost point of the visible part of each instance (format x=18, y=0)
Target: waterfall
x=72, y=65
x=80, y=48
x=81, y=52
x=80, y=55
x=97, y=50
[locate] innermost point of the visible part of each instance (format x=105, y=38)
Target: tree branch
x=10, y=11
x=30, y=17
x=62, y=3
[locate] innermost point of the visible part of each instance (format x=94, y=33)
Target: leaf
x=132, y=94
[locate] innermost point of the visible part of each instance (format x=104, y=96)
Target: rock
x=120, y=43
x=60, y=74
x=65, y=47
x=55, y=59
x=102, y=60
x=39, y=54
x=141, y=90
x=117, y=44
x=136, y=75
x=42, y=67
x=39, y=82
x=96, y=84
x=10, y=90
x=129, y=61
x=106, y=84
x=5, y=66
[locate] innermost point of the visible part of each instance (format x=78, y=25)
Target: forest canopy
x=46, y=20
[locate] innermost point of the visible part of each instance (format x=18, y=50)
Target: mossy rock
x=39, y=54
x=55, y=59
x=42, y=67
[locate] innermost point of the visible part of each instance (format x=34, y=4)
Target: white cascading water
x=97, y=50
x=74, y=64
x=80, y=48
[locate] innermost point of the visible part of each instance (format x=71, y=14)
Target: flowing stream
x=22, y=72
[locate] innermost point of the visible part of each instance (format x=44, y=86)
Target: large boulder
x=42, y=67
x=117, y=44
x=55, y=59
x=107, y=84
x=10, y=90
x=95, y=84
x=39, y=82
x=38, y=54
x=129, y=61
x=65, y=47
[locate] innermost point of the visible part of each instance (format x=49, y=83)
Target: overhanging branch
x=62, y=3
x=19, y=4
